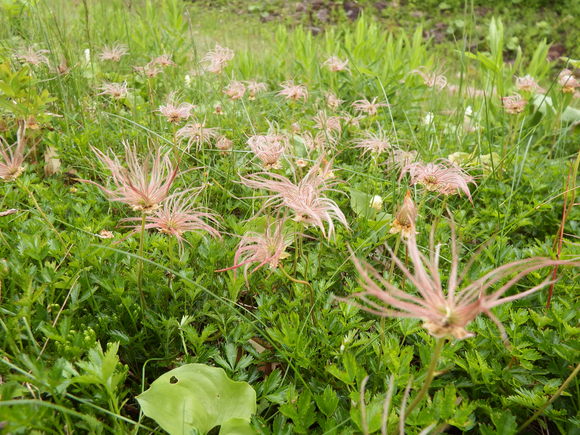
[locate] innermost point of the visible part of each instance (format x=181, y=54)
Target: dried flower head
x=431, y=80
x=332, y=101
x=235, y=90
x=528, y=84
x=293, y=92
x=12, y=157
x=196, y=133
x=143, y=184
x=217, y=59
x=254, y=88
x=62, y=68
x=223, y=144
x=113, y=53
x=369, y=107
x=514, y=104
x=306, y=199
x=266, y=248
x=105, y=234
x=269, y=149
x=177, y=216
x=335, y=64
x=176, y=112
x=443, y=177
x=218, y=109
x=445, y=313
x=32, y=56
x=374, y=143
x=116, y=91
x=163, y=61
x=568, y=81
x=405, y=218
x=150, y=70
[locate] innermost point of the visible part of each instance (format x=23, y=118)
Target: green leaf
x=361, y=204
x=199, y=397
x=327, y=401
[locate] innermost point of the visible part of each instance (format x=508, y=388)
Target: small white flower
x=187, y=79
x=88, y=55
x=428, y=119
x=468, y=111
x=377, y=202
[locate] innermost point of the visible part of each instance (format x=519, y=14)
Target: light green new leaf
x=198, y=397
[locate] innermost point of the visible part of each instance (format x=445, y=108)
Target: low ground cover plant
x=228, y=227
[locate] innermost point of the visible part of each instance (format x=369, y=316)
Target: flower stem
x=397, y=243
x=554, y=397
x=306, y=283
x=430, y=375
x=140, y=264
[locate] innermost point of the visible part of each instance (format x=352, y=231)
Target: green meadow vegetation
x=213, y=224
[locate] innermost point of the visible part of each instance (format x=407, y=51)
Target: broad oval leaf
x=197, y=397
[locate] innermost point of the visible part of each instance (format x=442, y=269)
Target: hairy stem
x=140, y=264
x=306, y=283
x=430, y=375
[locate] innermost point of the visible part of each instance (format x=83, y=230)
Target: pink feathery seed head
x=400, y=158
x=113, y=53
x=267, y=248
x=254, y=88
x=116, y=91
x=12, y=157
x=150, y=70
x=269, y=149
x=352, y=120
x=568, y=81
x=444, y=312
x=306, y=199
x=235, y=90
x=33, y=57
x=332, y=101
x=314, y=142
x=443, y=177
x=328, y=124
x=292, y=91
x=431, y=80
x=196, y=133
x=163, y=61
x=144, y=184
x=217, y=59
x=175, y=112
x=514, y=104
x=335, y=64
x=405, y=218
x=374, y=143
x=177, y=216
x=528, y=84
x=369, y=107
x=470, y=91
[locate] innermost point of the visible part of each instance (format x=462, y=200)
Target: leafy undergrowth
x=93, y=309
